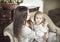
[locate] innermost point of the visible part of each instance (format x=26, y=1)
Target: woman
x=21, y=30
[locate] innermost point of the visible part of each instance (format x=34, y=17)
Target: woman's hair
x=40, y=13
x=19, y=19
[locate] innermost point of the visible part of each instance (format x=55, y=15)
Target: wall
x=33, y=3
x=50, y=4
x=59, y=4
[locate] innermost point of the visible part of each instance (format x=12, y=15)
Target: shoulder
x=26, y=30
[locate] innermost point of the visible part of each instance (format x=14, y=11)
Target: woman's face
x=28, y=16
x=38, y=18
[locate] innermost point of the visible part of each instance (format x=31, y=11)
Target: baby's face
x=38, y=18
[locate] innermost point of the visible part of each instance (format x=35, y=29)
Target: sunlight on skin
x=28, y=16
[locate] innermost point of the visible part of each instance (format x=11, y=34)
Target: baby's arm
x=45, y=37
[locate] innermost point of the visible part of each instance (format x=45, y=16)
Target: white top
x=27, y=34
x=39, y=32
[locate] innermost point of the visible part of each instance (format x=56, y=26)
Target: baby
x=40, y=27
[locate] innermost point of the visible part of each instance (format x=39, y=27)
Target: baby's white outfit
x=39, y=32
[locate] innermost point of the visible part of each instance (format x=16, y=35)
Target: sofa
x=8, y=31
x=54, y=14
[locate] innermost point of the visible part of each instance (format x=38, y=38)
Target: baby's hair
x=40, y=13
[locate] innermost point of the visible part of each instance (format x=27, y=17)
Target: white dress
x=27, y=34
x=39, y=32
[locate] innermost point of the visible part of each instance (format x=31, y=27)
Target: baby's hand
x=46, y=23
x=45, y=36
